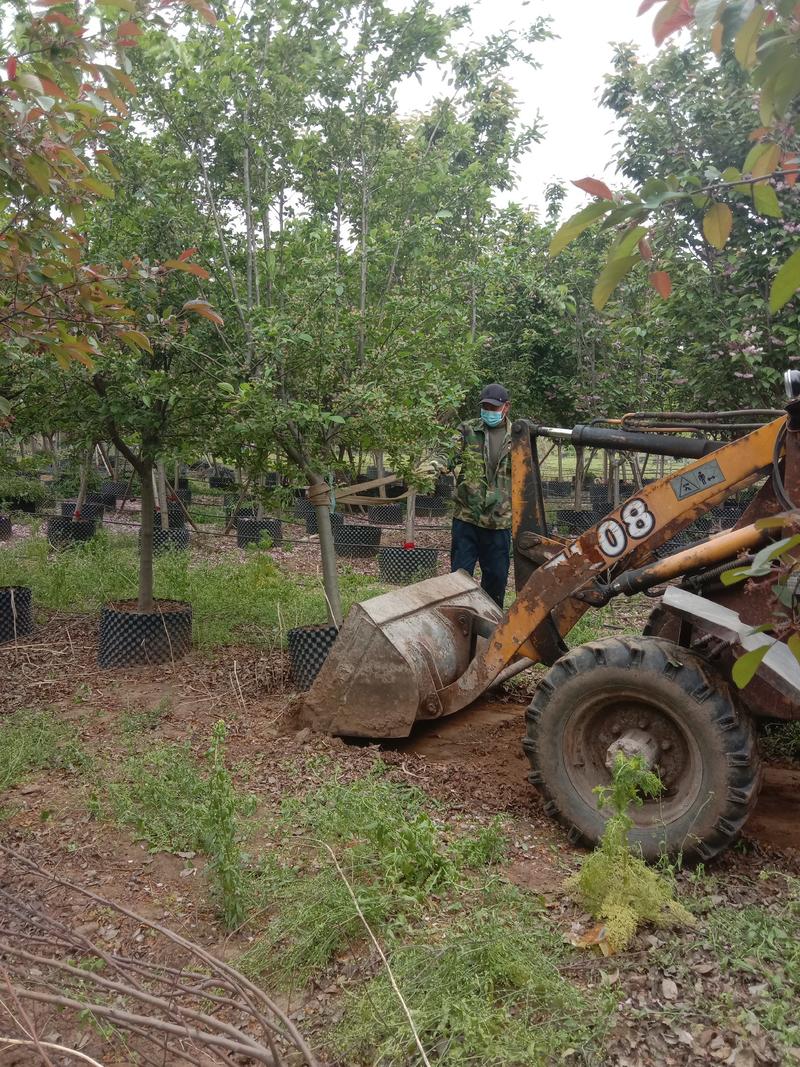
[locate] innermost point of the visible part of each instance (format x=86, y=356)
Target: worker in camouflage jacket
x=481, y=460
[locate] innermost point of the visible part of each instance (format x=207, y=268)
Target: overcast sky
x=579, y=139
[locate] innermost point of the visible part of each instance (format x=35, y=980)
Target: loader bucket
x=394, y=653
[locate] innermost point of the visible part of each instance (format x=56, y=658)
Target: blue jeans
x=472, y=544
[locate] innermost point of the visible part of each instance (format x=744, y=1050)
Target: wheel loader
x=433, y=648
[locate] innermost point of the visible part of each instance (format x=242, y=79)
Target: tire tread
x=710, y=694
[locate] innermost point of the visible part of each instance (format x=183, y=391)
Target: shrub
x=614, y=884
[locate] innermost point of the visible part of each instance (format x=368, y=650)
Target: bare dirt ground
x=671, y=985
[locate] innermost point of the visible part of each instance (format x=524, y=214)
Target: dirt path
x=487, y=739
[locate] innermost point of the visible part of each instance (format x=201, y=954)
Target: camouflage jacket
x=482, y=496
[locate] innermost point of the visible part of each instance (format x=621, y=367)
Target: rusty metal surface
x=394, y=654
x=431, y=649
x=529, y=518
x=741, y=463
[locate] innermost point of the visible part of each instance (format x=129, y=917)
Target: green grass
x=391, y=848
x=484, y=989
x=233, y=603
x=36, y=740
x=176, y=804
x=162, y=795
x=761, y=946
x=477, y=960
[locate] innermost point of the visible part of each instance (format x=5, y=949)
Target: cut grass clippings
x=250, y=602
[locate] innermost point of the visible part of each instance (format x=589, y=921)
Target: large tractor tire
x=664, y=702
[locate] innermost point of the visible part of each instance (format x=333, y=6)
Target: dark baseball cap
x=495, y=394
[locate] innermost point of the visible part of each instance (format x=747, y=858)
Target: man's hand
x=427, y=468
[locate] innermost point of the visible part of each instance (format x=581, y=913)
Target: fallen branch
x=168, y=1005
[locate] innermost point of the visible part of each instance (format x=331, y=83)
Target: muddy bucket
x=395, y=653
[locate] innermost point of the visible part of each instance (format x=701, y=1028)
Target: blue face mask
x=491, y=418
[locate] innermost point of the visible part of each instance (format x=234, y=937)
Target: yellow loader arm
x=431, y=649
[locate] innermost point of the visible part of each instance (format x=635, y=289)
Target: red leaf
x=11, y=68
x=645, y=6
x=662, y=283
x=671, y=18
x=791, y=164
x=187, y=254
x=128, y=29
x=190, y=268
x=201, y=307
x=645, y=251
x=52, y=89
x=594, y=187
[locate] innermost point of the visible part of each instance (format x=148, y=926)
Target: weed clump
x=393, y=853
x=36, y=740
x=761, y=945
x=614, y=884
x=173, y=804
x=484, y=989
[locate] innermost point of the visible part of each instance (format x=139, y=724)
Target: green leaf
x=705, y=14
x=765, y=201
x=30, y=81
x=38, y=170
x=746, y=665
x=136, y=339
x=785, y=283
x=575, y=226
x=780, y=548
x=746, y=43
x=717, y=223
x=610, y=277
x=627, y=241
x=123, y=5
x=94, y=185
x=794, y=646
x=753, y=156
x=734, y=575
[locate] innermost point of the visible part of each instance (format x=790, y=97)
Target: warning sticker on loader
x=697, y=480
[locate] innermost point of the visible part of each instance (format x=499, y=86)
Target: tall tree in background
x=344, y=238
x=62, y=96
x=750, y=199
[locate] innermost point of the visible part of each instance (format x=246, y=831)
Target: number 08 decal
x=637, y=522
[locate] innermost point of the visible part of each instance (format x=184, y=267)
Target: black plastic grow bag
x=129, y=638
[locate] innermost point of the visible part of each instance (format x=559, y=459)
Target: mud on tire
x=707, y=751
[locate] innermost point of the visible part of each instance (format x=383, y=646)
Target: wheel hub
x=633, y=743
x=619, y=720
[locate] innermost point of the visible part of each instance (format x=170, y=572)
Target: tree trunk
x=87, y=459
x=330, y=573
x=362, y=295
x=145, y=599
x=163, y=503
x=411, y=500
